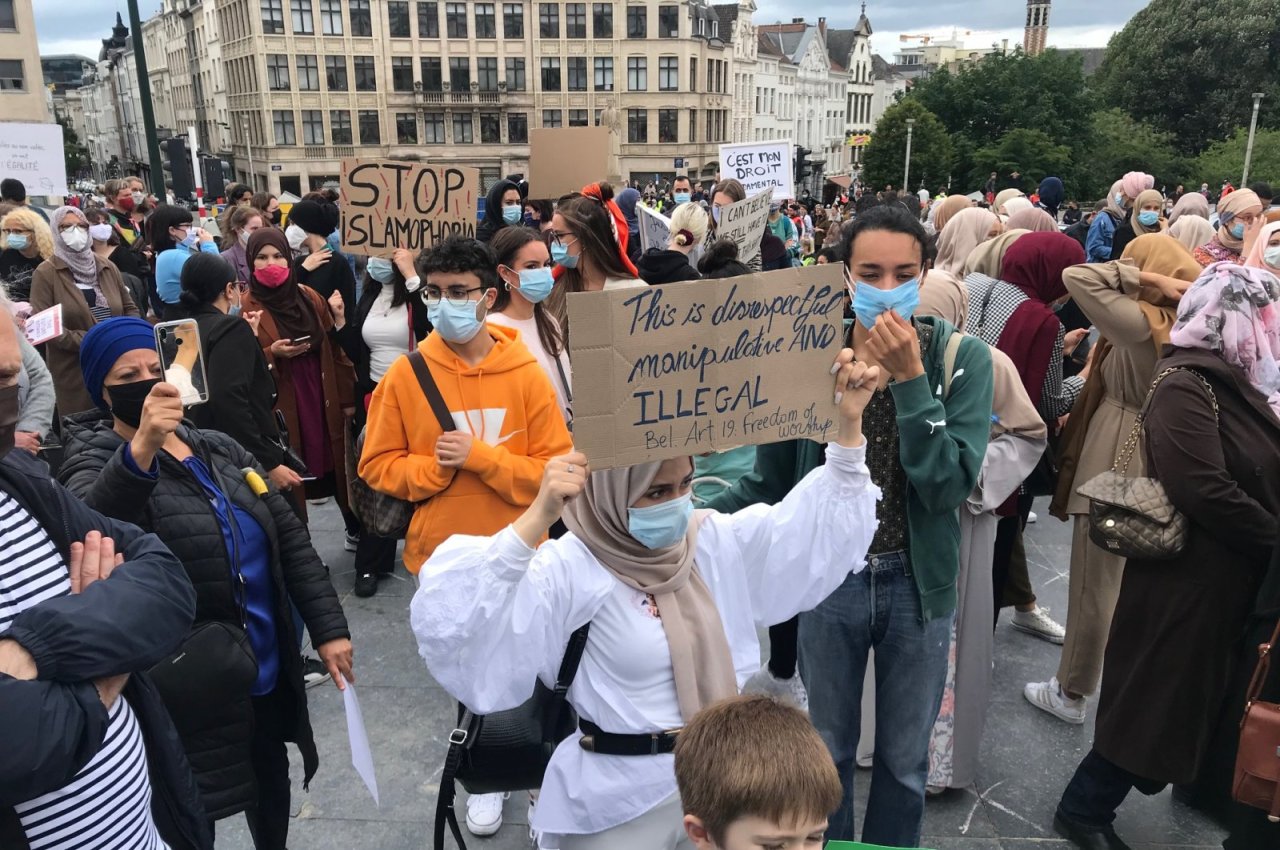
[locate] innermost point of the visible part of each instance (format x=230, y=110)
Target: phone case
x=178, y=344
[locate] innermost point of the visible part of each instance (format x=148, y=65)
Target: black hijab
x=287, y=303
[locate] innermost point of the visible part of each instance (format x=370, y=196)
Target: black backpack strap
x=428, y=383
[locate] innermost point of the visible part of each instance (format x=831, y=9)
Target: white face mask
x=77, y=239
x=296, y=236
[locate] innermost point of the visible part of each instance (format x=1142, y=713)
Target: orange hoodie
x=506, y=403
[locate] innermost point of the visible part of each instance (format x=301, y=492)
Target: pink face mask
x=272, y=276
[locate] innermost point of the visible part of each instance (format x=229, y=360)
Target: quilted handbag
x=1133, y=517
x=1257, y=779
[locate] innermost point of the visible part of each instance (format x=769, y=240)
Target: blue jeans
x=877, y=608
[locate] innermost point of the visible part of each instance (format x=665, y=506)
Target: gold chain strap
x=1130, y=445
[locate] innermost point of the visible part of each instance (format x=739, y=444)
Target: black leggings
x=782, y=648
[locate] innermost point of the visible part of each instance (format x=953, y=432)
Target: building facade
x=1037, y=29
x=23, y=96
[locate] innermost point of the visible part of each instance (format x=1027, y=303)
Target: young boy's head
x=460, y=284
x=754, y=775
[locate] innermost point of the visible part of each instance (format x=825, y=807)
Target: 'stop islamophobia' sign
x=388, y=204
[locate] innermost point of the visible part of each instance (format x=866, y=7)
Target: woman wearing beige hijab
x=968, y=229
x=1004, y=197
x=1237, y=213
x=948, y=209
x=987, y=258
x=673, y=598
x=1190, y=205
x=1133, y=303
x=1146, y=217
x=1191, y=231
x=1032, y=219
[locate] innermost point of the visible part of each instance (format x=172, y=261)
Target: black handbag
x=508, y=750
x=281, y=441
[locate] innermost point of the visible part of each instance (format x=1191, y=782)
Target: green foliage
x=1116, y=144
x=931, y=149
x=1030, y=152
x=1225, y=159
x=1188, y=67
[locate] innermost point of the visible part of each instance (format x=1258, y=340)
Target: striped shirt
x=107, y=805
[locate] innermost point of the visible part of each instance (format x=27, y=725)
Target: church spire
x=1037, y=29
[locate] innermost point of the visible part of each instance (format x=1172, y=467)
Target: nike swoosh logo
x=502, y=440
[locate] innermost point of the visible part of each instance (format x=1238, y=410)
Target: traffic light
x=804, y=165
x=214, y=170
x=177, y=168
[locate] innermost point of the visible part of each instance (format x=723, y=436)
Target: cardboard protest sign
x=760, y=165
x=564, y=159
x=703, y=366
x=743, y=222
x=655, y=228
x=388, y=204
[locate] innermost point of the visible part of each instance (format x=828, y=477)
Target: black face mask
x=127, y=400
x=10, y=410
x=275, y=217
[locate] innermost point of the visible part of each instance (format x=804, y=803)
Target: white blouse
x=561, y=378
x=491, y=614
x=387, y=332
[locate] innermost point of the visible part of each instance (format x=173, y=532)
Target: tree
x=1187, y=67
x=1116, y=144
x=885, y=155
x=1030, y=152
x=1225, y=159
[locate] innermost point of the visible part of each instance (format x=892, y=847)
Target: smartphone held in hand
x=181, y=358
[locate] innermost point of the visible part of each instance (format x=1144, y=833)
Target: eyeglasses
x=455, y=295
x=12, y=231
x=557, y=238
x=69, y=227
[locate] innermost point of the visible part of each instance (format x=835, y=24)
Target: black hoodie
x=493, y=210
x=665, y=266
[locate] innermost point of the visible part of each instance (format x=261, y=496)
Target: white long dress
x=491, y=614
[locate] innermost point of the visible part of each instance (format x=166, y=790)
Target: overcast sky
x=79, y=27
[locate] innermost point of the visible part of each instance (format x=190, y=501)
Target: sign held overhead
x=33, y=153
x=704, y=366
x=743, y=223
x=388, y=204
x=760, y=165
x=564, y=159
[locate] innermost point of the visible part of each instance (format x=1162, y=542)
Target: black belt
x=596, y=740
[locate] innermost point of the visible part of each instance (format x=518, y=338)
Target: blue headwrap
x=1052, y=194
x=626, y=201
x=105, y=343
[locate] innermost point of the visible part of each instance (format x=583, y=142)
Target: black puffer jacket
x=665, y=266
x=175, y=507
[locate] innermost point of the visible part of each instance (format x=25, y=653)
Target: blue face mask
x=1271, y=256
x=1148, y=218
x=661, y=525
x=512, y=214
x=334, y=240
x=1237, y=230
x=869, y=302
x=456, y=324
x=236, y=308
x=1120, y=200
x=381, y=269
x=19, y=241
x=561, y=257
x=715, y=214
x=683, y=197
x=190, y=241
x=536, y=284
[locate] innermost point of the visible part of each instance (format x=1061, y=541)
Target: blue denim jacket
x=1097, y=246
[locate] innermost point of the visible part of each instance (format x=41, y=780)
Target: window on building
x=490, y=128
x=300, y=11
x=577, y=118
x=335, y=73
x=8, y=17
x=711, y=75
x=312, y=127
x=637, y=22
x=406, y=128
x=515, y=74
x=603, y=72
x=596, y=121
x=273, y=17
x=517, y=128
x=702, y=26
x=548, y=20
x=577, y=73
x=370, y=130
x=575, y=20
x=398, y=18
x=366, y=75
x=433, y=128
x=11, y=76
x=668, y=125
x=428, y=20
x=487, y=73
x=459, y=73
x=551, y=73
x=340, y=126
x=602, y=20
x=715, y=29
x=463, y=128
x=308, y=74
x=637, y=73
x=693, y=126
x=668, y=73
x=486, y=21
x=361, y=20
x=455, y=20
x=638, y=126
x=512, y=20
x=668, y=22
x=693, y=73
x=282, y=124
x=551, y=118
x=331, y=20
x=401, y=73
x=277, y=72
x=432, y=74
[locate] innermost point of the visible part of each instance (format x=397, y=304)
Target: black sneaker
x=366, y=585
x=1087, y=837
x=313, y=671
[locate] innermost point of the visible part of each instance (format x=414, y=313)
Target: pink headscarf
x=1136, y=182
x=1255, y=259
x=1231, y=310
x=1034, y=219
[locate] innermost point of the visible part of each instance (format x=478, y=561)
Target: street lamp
x=1253, y=128
x=906, y=166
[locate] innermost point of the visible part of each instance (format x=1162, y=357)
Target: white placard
x=33, y=154
x=759, y=166
x=358, y=736
x=744, y=223
x=44, y=326
x=655, y=228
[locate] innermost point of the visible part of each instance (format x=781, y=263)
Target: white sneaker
x=351, y=542
x=1048, y=696
x=865, y=761
x=1031, y=517
x=789, y=690
x=1038, y=622
x=484, y=813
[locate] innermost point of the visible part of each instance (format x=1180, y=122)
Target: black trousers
x=1097, y=790
x=1010, y=581
x=375, y=555
x=269, y=819
x=782, y=648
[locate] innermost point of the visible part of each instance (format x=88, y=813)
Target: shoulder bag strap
x=949, y=361
x=1261, y=670
x=428, y=383
x=1125, y=454
x=986, y=302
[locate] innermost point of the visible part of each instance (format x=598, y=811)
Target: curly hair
x=28, y=219
x=459, y=255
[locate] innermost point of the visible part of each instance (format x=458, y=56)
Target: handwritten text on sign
x=760, y=165
x=388, y=204
x=666, y=371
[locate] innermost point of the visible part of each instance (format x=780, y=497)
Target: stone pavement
x=1028, y=756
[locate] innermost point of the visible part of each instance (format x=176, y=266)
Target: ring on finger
x=571, y=468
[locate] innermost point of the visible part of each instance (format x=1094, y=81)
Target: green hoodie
x=942, y=443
